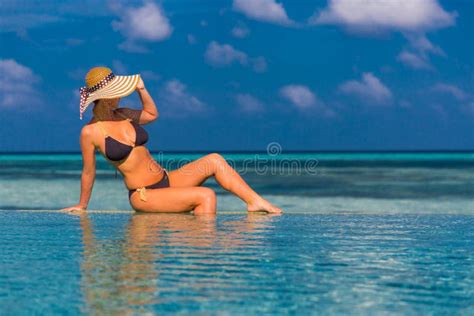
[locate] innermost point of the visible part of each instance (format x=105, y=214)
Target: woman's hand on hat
x=140, y=84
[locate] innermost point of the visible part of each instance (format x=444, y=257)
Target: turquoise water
x=236, y=264
x=362, y=234
x=307, y=182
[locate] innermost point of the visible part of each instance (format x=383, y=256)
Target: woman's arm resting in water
x=149, y=112
x=88, y=170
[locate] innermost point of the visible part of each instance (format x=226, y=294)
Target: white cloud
x=298, y=95
x=263, y=10
x=413, y=18
x=119, y=67
x=88, y=8
x=191, y=39
x=469, y=108
x=240, y=31
x=74, y=41
x=404, y=103
x=259, y=64
x=417, y=57
x=21, y=22
x=423, y=45
x=77, y=74
x=222, y=55
x=369, y=89
x=413, y=60
x=398, y=15
x=451, y=90
x=177, y=101
x=21, y=16
x=248, y=103
x=18, y=85
x=305, y=100
x=219, y=55
x=149, y=75
x=145, y=23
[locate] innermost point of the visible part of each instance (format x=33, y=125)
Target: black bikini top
x=115, y=150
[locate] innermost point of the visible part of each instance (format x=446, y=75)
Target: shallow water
x=236, y=264
x=365, y=182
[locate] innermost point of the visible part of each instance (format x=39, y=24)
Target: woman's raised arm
x=149, y=112
x=88, y=170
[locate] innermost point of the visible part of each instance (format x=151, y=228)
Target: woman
x=117, y=134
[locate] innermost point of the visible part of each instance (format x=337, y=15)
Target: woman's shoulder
x=87, y=130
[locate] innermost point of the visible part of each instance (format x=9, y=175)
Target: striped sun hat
x=102, y=83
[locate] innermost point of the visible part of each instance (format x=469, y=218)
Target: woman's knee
x=207, y=197
x=216, y=161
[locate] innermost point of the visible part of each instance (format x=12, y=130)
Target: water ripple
x=235, y=264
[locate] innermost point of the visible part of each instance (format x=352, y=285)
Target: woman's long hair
x=104, y=110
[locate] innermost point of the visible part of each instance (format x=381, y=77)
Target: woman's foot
x=263, y=205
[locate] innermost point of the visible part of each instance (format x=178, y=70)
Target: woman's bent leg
x=171, y=200
x=197, y=172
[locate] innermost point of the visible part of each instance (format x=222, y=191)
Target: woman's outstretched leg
x=198, y=171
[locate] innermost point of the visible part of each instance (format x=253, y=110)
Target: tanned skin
x=140, y=169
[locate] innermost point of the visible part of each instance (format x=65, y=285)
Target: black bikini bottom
x=163, y=183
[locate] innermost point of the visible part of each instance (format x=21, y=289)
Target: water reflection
x=165, y=257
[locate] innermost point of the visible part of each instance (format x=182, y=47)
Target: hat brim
x=120, y=86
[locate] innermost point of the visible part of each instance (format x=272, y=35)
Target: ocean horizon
x=297, y=181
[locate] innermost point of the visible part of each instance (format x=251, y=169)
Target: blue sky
x=237, y=75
